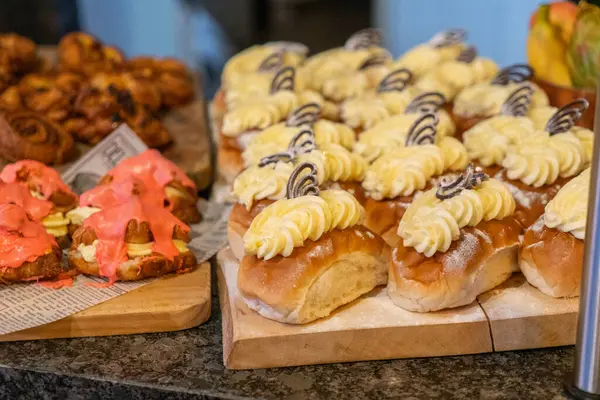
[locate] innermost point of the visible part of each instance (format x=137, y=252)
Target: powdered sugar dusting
x=483, y=235
x=468, y=245
x=539, y=224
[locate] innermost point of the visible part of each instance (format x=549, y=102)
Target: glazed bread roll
x=39, y=256
x=458, y=241
x=551, y=255
x=131, y=241
x=307, y=255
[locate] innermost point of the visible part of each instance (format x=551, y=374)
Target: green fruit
x=583, y=56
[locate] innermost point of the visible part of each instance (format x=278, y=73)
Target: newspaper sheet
x=24, y=306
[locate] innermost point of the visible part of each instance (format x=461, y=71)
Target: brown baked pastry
x=82, y=53
x=131, y=241
x=18, y=56
x=171, y=76
x=308, y=254
x=28, y=135
x=458, y=241
x=551, y=256
x=39, y=256
x=10, y=100
x=50, y=94
x=142, y=90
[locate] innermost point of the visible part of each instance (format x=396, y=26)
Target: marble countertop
x=189, y=364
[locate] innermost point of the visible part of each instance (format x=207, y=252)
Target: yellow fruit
x=546, y=50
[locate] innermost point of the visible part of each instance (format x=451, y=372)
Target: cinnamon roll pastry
x=150, y=166
x=83, y=53
x=142, y=90
x=172, y=78
x=130, y=242
x=18, y=55
x=45, y=95
x=458, y=240
x=307, y=254
x=39, y=256
x=10, y=100
x=28, y=135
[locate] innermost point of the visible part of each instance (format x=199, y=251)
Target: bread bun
x=239, y=221
x=230, y=162
x=383, y=216
x=552, y=260
x=316, y=278
x=530, y=200
x=482, y=258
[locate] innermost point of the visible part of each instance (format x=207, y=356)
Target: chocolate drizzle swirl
x=303, y=142
x=306, y=185
x=272, y=62
x=395, y=81
x=449, y=188
x=565, y=118
x=307, y=114
x=448, y=38
x=516, y=73
x=375, y=60
x=426, y=102
x=517, y=104
x=364, y=39
x=422, y=131
x=283, y=80
x=468, y=55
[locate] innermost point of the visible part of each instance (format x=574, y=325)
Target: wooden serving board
x=513, y=316
x=170, y=303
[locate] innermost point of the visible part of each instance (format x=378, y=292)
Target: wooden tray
x=513, y=316
x=172, y=303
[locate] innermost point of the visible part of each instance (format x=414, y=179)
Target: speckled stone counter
x=188, y=365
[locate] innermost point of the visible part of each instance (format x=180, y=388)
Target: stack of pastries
x=438, y=174
x=90, y=91
x=133, y=225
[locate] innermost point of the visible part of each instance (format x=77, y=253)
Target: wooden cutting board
x=171, y=303
x=513, y=316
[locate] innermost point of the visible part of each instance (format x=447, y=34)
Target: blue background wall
x=165, y=27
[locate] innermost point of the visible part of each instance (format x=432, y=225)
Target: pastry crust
x=383, y=216
x=315, y=279
x=482, y=258
x=239, y=221
x=230, y=162
x=552, y=260
x=137, y=268
x=28, y=135
x=47, y=266
x=530, y=201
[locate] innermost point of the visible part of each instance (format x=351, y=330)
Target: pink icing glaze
x=110, y=226
x=21, y=239
x=151, y=163
x=45, y=179
x=120, y=192
x=17, y=194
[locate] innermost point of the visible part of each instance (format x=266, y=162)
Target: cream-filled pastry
x=551, y=256
x=260, y=185
x=483, y=100
x=541, y=163
x=459, y=239
x=391, y=97
x=276, y=138
x=392, y=180
x=391, y=133
x=307, y=254
x=131, y=241
x=452, y=76
x=444, y=46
